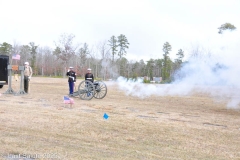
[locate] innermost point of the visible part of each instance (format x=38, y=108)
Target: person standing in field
x=71, y=80
x=89, y=76
x=27, y=76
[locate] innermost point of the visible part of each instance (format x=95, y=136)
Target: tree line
x=107, y=58
x=105, y=61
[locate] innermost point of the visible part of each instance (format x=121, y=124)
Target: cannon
x=87, y=90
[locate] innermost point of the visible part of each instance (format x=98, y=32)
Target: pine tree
x=5, y=48
x=226, y=26
x=33, y=53
x=113, y=45
x=166, y=61
x=123, y=44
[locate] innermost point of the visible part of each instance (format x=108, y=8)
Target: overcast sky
x=147, y=24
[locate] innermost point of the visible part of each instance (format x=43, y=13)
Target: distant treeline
x=106, y=59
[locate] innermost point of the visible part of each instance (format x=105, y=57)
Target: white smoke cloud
x=214, y=71
x=106, y=69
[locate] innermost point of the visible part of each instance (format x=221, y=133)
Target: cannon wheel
x=100, y=89
x=86, y=90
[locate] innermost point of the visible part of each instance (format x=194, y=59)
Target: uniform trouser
x=26, y=84
x=71, y=87
x=88, y=85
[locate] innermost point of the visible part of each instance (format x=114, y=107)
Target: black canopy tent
x=4, y=62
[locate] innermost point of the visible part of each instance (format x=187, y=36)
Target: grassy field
x=39, y=125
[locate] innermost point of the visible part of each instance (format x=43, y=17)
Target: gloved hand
x=29, y=78
x=68, y=70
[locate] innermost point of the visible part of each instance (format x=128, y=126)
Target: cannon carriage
x=87, y=90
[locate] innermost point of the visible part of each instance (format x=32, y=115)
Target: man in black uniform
x=89, y=75
x=71, y=80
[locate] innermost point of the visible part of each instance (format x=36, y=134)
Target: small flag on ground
x=105, y=116
x=67, y=100
x=16, y=56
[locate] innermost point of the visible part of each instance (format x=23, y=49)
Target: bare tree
x=82, y=54
x=103, y=49
x=16, y=50
x=65, y=49
x=105, y=59
x=25, y=52
x=44, y=62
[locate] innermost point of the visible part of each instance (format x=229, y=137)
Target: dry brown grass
x=193, y=127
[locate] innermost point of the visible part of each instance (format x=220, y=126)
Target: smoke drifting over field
x=213, y=69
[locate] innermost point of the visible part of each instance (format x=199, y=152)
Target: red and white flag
x=16, y=56
x=67, y=100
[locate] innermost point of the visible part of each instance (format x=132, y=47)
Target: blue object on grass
x=89, y=94
x=105, y=116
